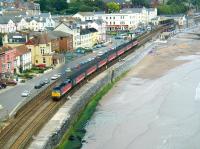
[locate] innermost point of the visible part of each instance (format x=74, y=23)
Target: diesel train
x=84, y=70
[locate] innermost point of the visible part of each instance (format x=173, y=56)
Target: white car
x=100, y=53
x=55, y=77
x=25, y=93
x=68, y=70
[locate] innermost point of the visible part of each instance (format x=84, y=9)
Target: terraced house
x=89, y=37
x=126, y=19
x=7, y=60
x=7, y=25
x=23, y=59
x=45, y=47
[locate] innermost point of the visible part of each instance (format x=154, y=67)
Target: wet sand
x=156, y=106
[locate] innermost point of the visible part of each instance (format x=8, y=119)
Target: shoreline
x=77, y=132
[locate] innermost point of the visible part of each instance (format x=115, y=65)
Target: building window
x=44, y=60
x=42, y=51
x=36, y=61
x=9, y=66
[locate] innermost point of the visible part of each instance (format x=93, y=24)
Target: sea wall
x=52, y=132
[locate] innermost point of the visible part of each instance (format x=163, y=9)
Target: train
x=84, y=70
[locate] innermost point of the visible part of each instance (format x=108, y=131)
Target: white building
x=23, y=59
x=72, y=29
x=7, y=25
x=21, y=24
x=36, y=24
x=100, y=26
x=85, y=16
x=126, y=19
x=48, y=21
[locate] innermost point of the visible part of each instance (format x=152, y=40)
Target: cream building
x=126, y=19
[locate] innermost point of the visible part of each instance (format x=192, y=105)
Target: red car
x=11, y=82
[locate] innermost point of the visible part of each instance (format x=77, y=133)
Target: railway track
x=33, y=116
x=34, y=125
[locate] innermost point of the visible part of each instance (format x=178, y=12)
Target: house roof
x=46, y=37
x=45, y=15
x=58, y=34
x=16, y=38
x=70, y=25
x=87, y=31
x=5, y=48
x=20, y=50
x=93, y=30
x=86, y=13
x=40, y=39
x=4, y=20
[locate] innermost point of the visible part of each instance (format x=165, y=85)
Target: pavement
x=156, y=106
x=10, y=98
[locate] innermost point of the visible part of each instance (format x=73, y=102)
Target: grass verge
x=73, y=138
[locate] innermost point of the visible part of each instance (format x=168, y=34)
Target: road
x=156, y=106
x=11, y=98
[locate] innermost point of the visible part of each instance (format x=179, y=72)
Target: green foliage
x=113, y=7
x=62, y=7
x=172, y=9
x=141, y=3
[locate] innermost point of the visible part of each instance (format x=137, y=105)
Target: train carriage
x=102, y=60
x=61, y=90
x=87, y=68
x=112, y=55
x=120, y=50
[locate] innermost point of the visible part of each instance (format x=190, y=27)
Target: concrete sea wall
x=52, y=132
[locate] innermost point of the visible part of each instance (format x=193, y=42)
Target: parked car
x=98, y=46
x=68, y=70
x=25, y=93
x=42, y=83
x=11, y=82
x=3, y=85
x=55, y=77
x=46, y=81
x=100, y=53
x=38, y=86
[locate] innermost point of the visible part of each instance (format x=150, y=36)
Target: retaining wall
x=52, y=132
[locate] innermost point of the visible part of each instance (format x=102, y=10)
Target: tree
x=140, y=3
x=113, y=7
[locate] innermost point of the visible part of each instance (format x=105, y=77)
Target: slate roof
x=86, y=13
x=16, y=38
x=45, y=38
x=20, y=50
x=5, y=48
x=93, y=30
x=87, y=31
x=6, y=19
